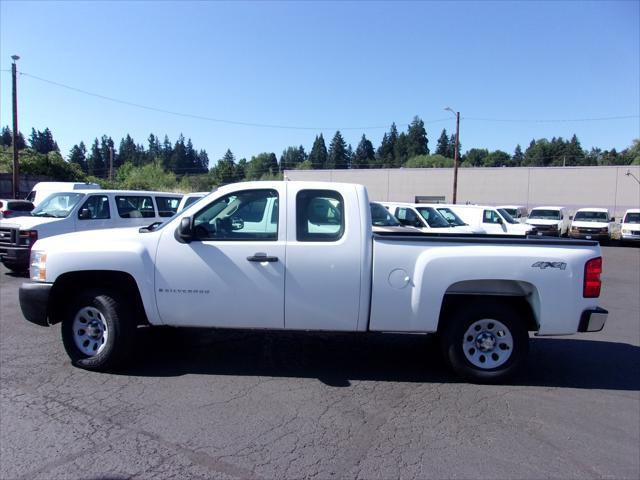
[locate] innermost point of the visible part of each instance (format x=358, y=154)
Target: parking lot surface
x=211, y=404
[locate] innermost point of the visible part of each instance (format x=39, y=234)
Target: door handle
x=262, y=257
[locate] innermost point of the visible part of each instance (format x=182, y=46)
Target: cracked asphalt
x=210, y=404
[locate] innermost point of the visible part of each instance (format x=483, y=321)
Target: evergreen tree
x=365, y=155
x=401, y=150
x=225, y=171
x=318, y=155
x=154, y=148
x=385, y=156
x=337, y=155
x=178, y=160
x=349, y=155
x=78, y=155
x=518, y=156
x=166, y=152
x=128, y=152
x=452, y=147
x=417, y=141
x=95, y=162
x=203, y=161
x=292, y=157
x=43, y=142
x=5, y=137
x=241, y=169
x=443, y=144
x=475, y=157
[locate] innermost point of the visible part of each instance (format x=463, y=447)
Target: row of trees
x=409, y=149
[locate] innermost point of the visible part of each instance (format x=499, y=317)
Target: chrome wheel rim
x=90, y=331
x=487, y=344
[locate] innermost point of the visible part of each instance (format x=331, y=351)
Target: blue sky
x=319, y=66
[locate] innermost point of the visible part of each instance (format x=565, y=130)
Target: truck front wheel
x=485, y=341
x=96, y=331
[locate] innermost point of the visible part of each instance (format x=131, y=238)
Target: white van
x=630, y=226
x=550, y=221
x=490, y=220
x=77, y=210
x=42, y=190
x=591, y=224
x=426, y=218
x=517, y=212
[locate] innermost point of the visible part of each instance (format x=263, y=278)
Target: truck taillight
x=592, y=282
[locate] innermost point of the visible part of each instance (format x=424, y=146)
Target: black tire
x=461, y=320
x=119, y=327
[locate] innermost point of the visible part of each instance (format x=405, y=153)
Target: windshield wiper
x=44, y=214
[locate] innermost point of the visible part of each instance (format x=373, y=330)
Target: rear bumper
x=34, y=302
x=593, y=320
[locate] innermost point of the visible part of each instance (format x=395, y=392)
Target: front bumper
x=34, y=302
x=631, y=237
x=602, y=237
x=15, y=256
x=593, y=320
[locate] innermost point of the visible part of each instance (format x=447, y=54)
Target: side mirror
x=571, y=217
x=184, y=232
x=84, y=214
x=613, y=219
x=237, y=223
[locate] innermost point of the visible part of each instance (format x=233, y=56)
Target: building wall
x=571, y=187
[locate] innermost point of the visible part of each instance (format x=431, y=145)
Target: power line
x=558, y=120
x=211, y=119
x=297, y=127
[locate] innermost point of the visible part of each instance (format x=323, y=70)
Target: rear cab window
x=319, y=216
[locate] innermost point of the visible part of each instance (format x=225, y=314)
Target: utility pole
x=455, y=155
x=14, y=135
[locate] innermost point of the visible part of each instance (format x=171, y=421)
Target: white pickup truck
x=302, y=256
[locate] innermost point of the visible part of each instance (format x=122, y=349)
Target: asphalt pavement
x=211, y=404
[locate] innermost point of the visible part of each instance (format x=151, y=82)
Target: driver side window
x=246, y=215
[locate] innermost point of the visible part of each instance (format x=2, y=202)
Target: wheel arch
x=522, y=296
x=69, y=284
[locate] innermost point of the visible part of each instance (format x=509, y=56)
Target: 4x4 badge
x=543, y=265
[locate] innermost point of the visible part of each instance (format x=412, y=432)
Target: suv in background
x=15, y=208
x=630, y=226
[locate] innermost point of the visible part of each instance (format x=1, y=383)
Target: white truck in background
x=302, y=256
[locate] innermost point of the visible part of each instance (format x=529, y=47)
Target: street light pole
x=14, y=136
x=455, y=155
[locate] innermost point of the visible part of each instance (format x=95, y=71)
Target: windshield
x=380, y=216
x=57, y=205
x=591, y=217
x=632, y=217
x=511, y=211
x=506, y=216
x=432, y=217
x=450, y=216
x=545, y=214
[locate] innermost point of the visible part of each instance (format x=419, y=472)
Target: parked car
x=383, y=221
x=302, y=265
x=517, y=212
x=42, y=190
x=77, y=210
x=15, y=208
x=490, y=220
x=425, y=218
x=591, y=224
x=190, y=198
x=630, y=226
x=549, y=221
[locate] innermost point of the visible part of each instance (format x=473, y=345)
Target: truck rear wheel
x=96, y=331
x=485, y=341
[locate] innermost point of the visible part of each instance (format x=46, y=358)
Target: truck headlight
x=624, y=230
x=38, y=268
x=574, y=229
